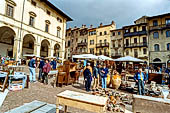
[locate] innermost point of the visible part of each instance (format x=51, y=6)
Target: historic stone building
x=99, y=39
x=76, y=41
x=136, y=41
x=116, y=45
x=103, y=39
x=159, y=39
x=32, y=27
x=92, y=39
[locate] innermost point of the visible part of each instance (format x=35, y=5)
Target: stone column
x=16, y=49
x=50, y=52
x=37, y=49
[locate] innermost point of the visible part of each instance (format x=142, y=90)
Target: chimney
x=82, y=25
x=91, y=26
x=101, y=24
x=113, y=22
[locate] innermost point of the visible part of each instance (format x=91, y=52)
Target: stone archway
x=7, y=41
x=44, y=51
x=57, y=49
x=28, y=44
x=157, y=60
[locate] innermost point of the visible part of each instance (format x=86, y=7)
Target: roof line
x=57, y=9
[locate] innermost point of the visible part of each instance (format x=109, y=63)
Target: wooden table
x=81, y=101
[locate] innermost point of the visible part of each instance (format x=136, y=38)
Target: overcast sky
x=123, y=12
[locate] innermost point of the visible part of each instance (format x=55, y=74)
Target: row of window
x=135, y=29
x=10, y=12
x=157, y=47
x=167, y=22
x=47, y=25
x=100, y=41
x=136, y=40
x=156, y=34
x=136, y=52
x=94, y=33
x=114, y=33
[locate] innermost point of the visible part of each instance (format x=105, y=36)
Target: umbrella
x=102, y=57
x=129, y=59
x=85, y=56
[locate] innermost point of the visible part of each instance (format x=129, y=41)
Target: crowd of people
x=98, y=73
x=44, y=65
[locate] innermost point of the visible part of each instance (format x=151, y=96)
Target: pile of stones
x=116, y=100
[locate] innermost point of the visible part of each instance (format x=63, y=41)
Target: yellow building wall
x=103, y=37
x=92, y=37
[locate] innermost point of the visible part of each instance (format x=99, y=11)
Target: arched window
x=155, y=35
x=156, y=47
x=168, y=33
x=168, y=46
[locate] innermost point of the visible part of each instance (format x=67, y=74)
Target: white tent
x=85, y=56
x=102, y=57
x=129, y=59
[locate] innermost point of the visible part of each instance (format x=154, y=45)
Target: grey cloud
x=123, y=12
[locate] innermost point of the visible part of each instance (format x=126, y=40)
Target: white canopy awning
x=129, y=59
x=102, y=57
x=85, y=56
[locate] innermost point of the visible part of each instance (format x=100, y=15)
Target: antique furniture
x=68, y=74
x=81, y=101
x=3, y=80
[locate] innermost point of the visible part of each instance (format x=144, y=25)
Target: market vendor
x=140, y=78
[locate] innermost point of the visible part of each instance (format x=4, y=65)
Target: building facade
x=159, y=39
x=76, y=41
x=99, y=39
x=92, y=39
x=136, y=41
x=32, y=27
x=116, y=43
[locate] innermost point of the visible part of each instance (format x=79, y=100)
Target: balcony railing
x=159, y=27
x=102, y=45
x=78, y=53
x=135, y=45
x=82, y=44
x=138, y=33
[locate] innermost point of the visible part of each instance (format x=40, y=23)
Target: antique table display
x=83, y=101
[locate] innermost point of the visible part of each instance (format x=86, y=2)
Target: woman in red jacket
x=46, y=70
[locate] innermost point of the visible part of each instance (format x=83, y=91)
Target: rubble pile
x=154, y=89
x=116, y=100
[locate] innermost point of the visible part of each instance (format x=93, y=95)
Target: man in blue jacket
x=140, y=78
x=87, y=77
x=103, y=75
